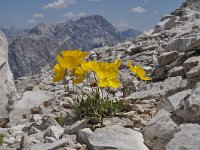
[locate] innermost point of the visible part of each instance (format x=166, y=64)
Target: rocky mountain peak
x=93, y=18
x=42, y=29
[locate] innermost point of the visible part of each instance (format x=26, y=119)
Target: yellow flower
x=139, y=71
x=71, y=59
x=89, y=66
x=59, y=73
x=79, y=73
x=108, y=74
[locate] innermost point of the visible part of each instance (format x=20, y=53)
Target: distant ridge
x=131, y=33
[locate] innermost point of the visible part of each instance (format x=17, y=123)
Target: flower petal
x=108, y=74
x=114, y=83
x=59, y=73
x=67, y=62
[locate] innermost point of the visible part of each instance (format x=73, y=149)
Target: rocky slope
x=163, y=113
x=36, y=48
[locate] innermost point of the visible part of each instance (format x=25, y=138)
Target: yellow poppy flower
x=108, y=74
x=109, y=82
x=139, y=71
x=79, y=73
x=77, y=53
x=59, y=73
x=89, y=66
x=71, y=59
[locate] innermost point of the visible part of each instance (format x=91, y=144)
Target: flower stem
x=128, y=86
x=72, y=81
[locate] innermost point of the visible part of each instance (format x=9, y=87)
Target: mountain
x=131, y=33
x=37, y=47
x=11, y=31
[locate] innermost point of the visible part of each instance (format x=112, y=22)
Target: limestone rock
x=29, y=100
x=167, y=57
x=84, y=135
x=191, y=62
x=124, y=122
x=176, y=99
x=8, y=92
x=189, y=109
x=55, y=145
x=193, y=73
x=182, y=44
x=54, y=131
x=74, y=128
x=176, y=71
x=116, y=137
x=158, y=90
x=159, y=130
x=187, y=138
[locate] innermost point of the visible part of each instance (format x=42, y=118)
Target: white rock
x=54, y=131
x=116, y=137
x=159, y=130
x=52, y=146
x=7, y=88
x=187, y=138
x=189, y=109
x=29, y=100
x=176, y=99
x=84, y=134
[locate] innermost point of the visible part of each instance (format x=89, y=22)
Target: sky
x=123, y=14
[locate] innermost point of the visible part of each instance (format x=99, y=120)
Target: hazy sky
x=123, y=14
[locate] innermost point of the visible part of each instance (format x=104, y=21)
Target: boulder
x=159, y=130
x=193, y=73
x=8, y=93
x=116, y=137
x=176, y=71
x=53, y=146
x=187, y=138
x=183, y=44
x=54, y=131
x=192, y=69
x=176, y=99
x=158, y=90
x=75, y=127
x=84, y=134
x=189, y=108
x=167, y=57
x=29, y=100
x=191, y=62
